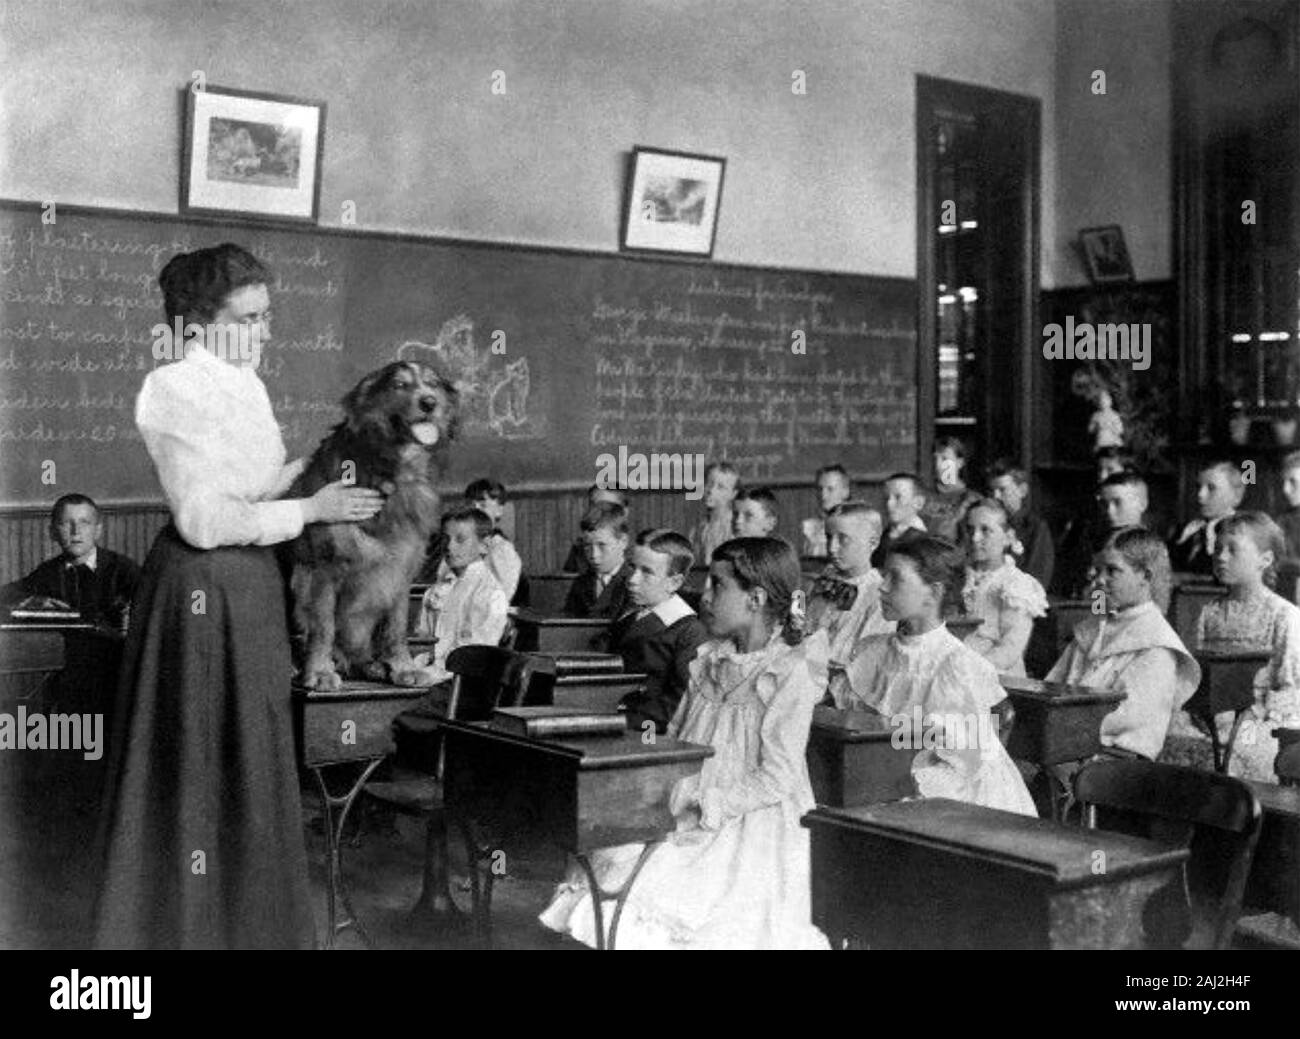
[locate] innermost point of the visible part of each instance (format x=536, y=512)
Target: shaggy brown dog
x=351, y=580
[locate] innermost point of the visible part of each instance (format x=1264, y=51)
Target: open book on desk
x=41, y=608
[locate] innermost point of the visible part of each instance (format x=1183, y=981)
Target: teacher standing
x=203, y=838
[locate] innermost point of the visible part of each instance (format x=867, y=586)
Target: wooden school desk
x=851, y=760
x=351, y=726
x=1227, y=685
x=542, y=634
x=940, y=874
x=1055, y=723
x=1192, y=592
x=577, y=794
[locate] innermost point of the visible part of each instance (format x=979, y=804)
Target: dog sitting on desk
x=351, y=580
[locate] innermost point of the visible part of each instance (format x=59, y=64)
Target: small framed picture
x=252, y=155
x=1105, y=254
x=672, y=202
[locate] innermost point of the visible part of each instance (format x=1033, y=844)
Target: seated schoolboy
x=1121, y=503
x=1131, y=647
x=489, y=497
x=721, y=484
x=576, y=561
x=97, y=582
x=754, y=513
x=943, y=509
x=833, y=487
x=602, y=590
x=465, y=606
x=845, y=599
x=1289, y=518
x=1251, y=617
x=904, y=499
x=999, y=593
x=1219, y=490
x=659, y=633
x=924, y=670
x=1009, y=484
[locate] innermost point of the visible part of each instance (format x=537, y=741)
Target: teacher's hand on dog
x=341, y=502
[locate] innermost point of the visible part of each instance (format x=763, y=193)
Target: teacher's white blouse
x=218, y=453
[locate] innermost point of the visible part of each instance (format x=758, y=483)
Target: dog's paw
x=325, y=681
x=414, y=676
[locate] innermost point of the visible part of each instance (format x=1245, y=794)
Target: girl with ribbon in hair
x=735, y=874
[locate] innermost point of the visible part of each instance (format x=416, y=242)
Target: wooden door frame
x=933, y=93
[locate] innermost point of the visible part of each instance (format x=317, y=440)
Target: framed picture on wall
x=252, y=154
x=672, y=202
x=1105, y=255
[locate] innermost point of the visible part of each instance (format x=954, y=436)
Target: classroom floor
x=47, y=882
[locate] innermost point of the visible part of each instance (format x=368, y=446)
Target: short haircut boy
x=857, y=508
x=722, y=469
x=67, y=501
x=468, y=514
x=671, y=544
x=605, y=516
x=1125, y=478
x=1229, y=468
x=762, y=495
x=917, y=486
x=486, y=488
x=1006, y=467
x=615, y=492
x=835, y=469
x=953, y=444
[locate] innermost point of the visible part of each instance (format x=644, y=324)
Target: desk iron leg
x=599, y=894
x=480, y=892
x=1226, y=755
x=335, y=890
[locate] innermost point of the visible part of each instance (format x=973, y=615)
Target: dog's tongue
x=425, y=432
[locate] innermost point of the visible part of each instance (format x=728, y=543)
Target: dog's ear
x=450, y=409
x=354, y=400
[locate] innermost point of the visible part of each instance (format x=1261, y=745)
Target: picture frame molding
x=682, y=254
x=185, y=208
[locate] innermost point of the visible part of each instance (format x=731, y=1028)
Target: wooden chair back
x=487, y=677
x=1217, y=817
x=1188, y=601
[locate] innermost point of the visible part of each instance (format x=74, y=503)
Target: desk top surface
x=357, y=690
x=1065, y=855
x=1060, y=693
x=845, y=726
x=523, y=615
x=1279, y=800
x=1259, y=656
x=589, y=753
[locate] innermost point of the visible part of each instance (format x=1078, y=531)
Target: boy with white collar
x=465, y=606
x=852, y=534
x=660, y=634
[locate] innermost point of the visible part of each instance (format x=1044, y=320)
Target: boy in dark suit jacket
x=87, y=577
x=602, y=590
x=659, y=634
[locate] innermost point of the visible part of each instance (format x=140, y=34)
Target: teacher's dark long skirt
x=202, y=835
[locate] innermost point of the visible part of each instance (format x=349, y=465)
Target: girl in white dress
x=1004, y=597
x=736, y=873
x=933, y=688
x=1250, y=617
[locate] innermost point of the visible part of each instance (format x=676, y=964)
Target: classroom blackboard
x=561, y=356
